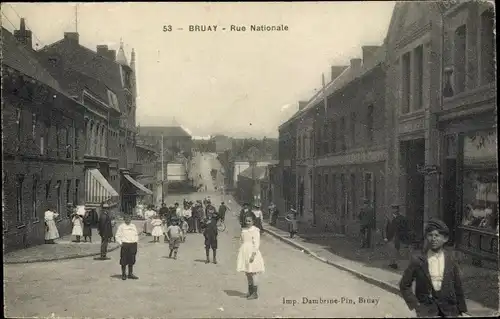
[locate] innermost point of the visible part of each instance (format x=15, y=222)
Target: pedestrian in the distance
x=174, y=234
x=51, y=232
x=397, y=235
x=250, y=259
x=367, y=223
x=273, y=214
x=438, y=286
x=222, y=211
x=259, y=217
x=185, y=229
x=87, y=226
x=245, y=211
x=127, y=237
x=293, y=226
x=210, y=233
x=77, y=230
x=187, y=215
x=157, y=231
x=105, y=230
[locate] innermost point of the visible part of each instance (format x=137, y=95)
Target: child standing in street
x=185, y=229
x=77, y=227
x=250, y=259
x=127, y=237
x=292, y=222
x=210, y=233
x=173, y=235
x=157, y=231
x=438, y=287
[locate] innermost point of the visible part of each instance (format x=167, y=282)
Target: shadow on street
x=234, y=293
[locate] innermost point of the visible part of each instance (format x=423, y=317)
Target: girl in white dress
x=51, y=231
x=250, y=259
x=77, y=227
x=157, y=231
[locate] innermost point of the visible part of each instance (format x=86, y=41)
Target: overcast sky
x=218, y=82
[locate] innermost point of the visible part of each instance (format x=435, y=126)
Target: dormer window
x=113, y=100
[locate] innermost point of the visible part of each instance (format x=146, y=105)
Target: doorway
x=450, y=197
x=301, y=197
x=413, y=156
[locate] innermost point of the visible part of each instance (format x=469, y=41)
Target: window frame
x=34, y=200
x=59, y=197
x=20, y=220
x=370, y=111
x=370, y=196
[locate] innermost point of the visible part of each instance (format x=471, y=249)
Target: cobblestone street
x=188, y=287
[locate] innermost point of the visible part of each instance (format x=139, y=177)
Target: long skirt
x=148, y=227
x=127, y=254
x=87, y=231
x=157, y=231
x=52, y=232
x=243, y=263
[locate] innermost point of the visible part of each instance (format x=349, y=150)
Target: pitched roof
x=93, y=65
x=22, y=60
x=166, y=131
x=259, y=173
x=120, y=57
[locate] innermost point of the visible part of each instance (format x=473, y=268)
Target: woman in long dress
x=87, y=226
x=77, y=227
x=51, y=231
x=250, y=259
x=148, y=228
x=259, y=217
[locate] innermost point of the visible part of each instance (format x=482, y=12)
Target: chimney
x=102, y=50
x=23, y=36
x=111, y=55
x=369, y=52
x=337, y=70
x=72, y=36
x=356, y=64
x=302, y=105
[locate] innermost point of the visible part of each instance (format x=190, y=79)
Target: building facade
x=43, y=145
x=175, y=139
x=287, y=151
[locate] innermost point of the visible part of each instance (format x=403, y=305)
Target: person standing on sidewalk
x=293, y=226
x=87, y=226
x=273, y=214
x=397, y=233
x=438, y=287
x=105, y=230
x=51, y=232
x=77, y=230
x=259, y=217
x=222, y=212
x=127, y=237
x=367, y=223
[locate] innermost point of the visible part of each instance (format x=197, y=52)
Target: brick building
x=105, y=82
x=43, y=145
x=287, y=152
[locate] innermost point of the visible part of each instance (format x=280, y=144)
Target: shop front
x=470, y=185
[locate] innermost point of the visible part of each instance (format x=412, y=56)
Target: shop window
x=20, y=199
x=419, y=77
x=406, y=76
x=460, y=58
x=480, y=181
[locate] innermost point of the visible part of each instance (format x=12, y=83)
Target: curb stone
x=376, y=282
x=63, y=258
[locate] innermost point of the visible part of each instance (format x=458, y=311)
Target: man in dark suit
x=245, y=211
x=438, y=287
x=397, y=234
x=367, y=223
x=105, y=230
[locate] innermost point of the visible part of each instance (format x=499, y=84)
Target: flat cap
x=437, y=224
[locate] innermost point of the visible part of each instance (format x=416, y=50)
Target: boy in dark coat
x=105, y=230
x=438, y=288
x=210, y=233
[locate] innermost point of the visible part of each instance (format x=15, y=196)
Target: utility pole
x=162, y=173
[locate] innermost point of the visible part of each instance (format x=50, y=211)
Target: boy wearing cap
x=438, y=287
x=210, y=233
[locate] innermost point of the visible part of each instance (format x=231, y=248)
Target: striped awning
x=98, y=189
x=138, y=185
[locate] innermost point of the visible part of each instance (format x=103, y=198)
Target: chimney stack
x=369, y=52
x=356, y=64
x=23, y=36
x=72, y=36
x=302, y=105
x=337, y=70
x=112, y=55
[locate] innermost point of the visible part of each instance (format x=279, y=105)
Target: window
x=46, y=138
x=353, y=196
x=419, y=76
x=58, y=141
x=326, y=192
x=33, y=125
x=353, y=128
x=67, y=144
x=460, y=58
x=334, y=192
x=368, y=187
x=369, y=123
x=487, y=52
x=34, y=198
x=304, y=148
x=480, y=181
x=406, y=70
x=343, y=146
x=68, y=194
x=19, y=199
x=333, y=140
x=343, y=197
x=318, y=189
x=59, y=197
x=299, y=146
x=325, y=141
x=76, y=142
x=76, y=199
x=42, y=145
x=47, y=190
x=19, y=126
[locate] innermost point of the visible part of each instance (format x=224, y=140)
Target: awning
x=138, y=185
x=97, y=188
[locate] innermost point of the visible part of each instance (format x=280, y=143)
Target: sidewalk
x=480, y=284
x=64, y=248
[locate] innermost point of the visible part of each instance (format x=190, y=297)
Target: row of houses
x=69, y=134
x=413, y=122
